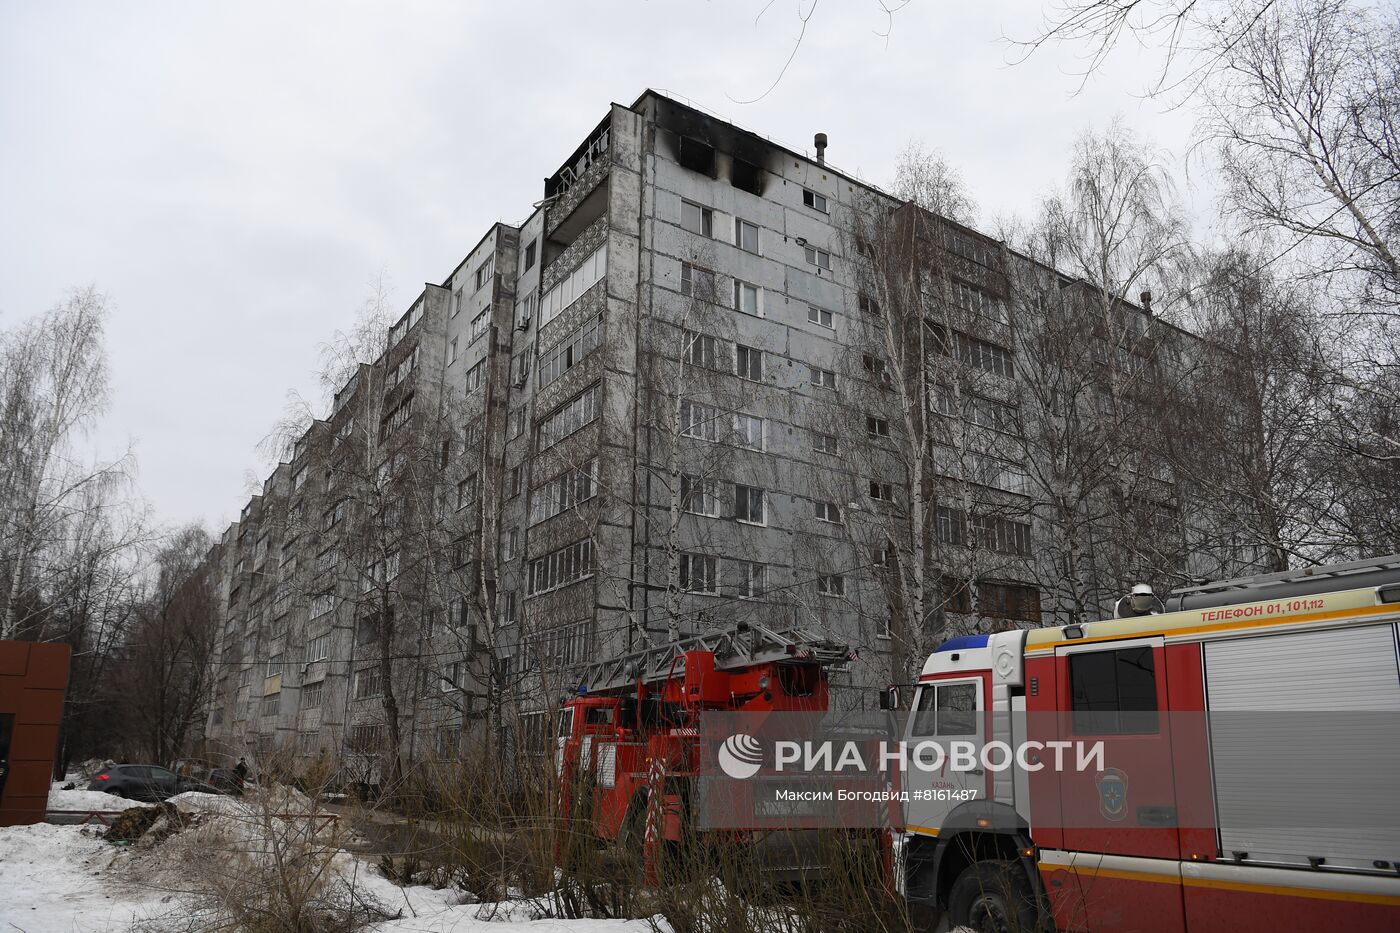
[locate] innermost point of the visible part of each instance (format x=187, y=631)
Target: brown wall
x=33, y=680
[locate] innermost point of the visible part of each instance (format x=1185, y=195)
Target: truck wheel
x=993, y=897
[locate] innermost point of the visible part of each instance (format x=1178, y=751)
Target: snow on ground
x=67, y=879
x=60, y=799
x=57, y=879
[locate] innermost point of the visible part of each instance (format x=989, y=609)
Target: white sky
x=235, y=175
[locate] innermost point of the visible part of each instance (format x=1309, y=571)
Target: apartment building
x=668, y=400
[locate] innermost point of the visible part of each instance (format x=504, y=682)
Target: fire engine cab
x=1249, y=776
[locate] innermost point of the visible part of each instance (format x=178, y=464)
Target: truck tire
x=993, y=897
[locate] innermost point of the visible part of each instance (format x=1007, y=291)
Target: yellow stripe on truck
x=1354, y=897
x=1176, y=624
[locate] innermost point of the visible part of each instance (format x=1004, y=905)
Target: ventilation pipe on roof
x=820, y=142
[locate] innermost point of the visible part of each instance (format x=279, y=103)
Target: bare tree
x=1304, y=116
x=162, y=687
x=53, y=385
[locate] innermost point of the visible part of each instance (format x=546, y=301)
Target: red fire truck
x=633, y=728
x=1250, y=777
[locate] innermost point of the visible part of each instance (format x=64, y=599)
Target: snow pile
x=58, y=879
x=60, y=799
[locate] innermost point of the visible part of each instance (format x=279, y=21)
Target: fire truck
x=628, y=744
x=1249, y=776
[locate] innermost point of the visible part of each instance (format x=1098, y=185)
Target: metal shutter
x=1293, y=778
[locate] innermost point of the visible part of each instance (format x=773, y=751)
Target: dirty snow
x=61, y=879
x=58, y=879
x=60, y=799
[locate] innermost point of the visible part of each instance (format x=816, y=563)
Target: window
x=564, y=492
x=699, y=420
x=1009, y=601
x=466, y=492
x=875, y=367
x=978, y=302
x=513, y=483
x=827, y=512
x=1113, y=692
x=531, y=249
x=831, y=584
x=398, y=417
x=570, y=289
x=696, y=156
x=817, y=257
x=556, y=362
x=697, y=219
x=881, y=492
x=982, y=469
x=1002, y=535
x=979, y=353
x=298, y=479
x=369, y=682
x=311, y=695
x=456, y=302
x=447, y=742
x=820, y=316
x=748, y=504
x=877, y=427
x=824, y=443
x=748, y=363
x=882, y=556
x=485, y=271
x=701, y=350
x=321, y=604
x=699, y=496
x=867, y=304
x=745, y=235
x=404, y=369
x=823, y=378
x=699, y=573
x=331, y=518
x=946, y=709
x=749, y=430
x=318, y=648
x=748, y=578
x=564, y=566
x=815, y=201
x=517, y=422
x=480, y=325
x=512, y=546
x=965, y=246
x=272, y=704
x=746, y=298
x=697, y=283
x=452, y=351
x=366, y=739
x=569, y=417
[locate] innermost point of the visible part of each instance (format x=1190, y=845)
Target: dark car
x=146, y=782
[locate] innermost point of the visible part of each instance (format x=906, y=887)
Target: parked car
x=147, y=782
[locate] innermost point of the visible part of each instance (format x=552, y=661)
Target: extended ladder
x=743, y=645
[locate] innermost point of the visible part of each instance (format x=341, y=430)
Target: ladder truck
x=1251, y=775
x=633, y=729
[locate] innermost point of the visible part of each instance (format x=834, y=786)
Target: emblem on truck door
x=1113, y=794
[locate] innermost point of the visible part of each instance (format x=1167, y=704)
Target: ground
x=67, y=878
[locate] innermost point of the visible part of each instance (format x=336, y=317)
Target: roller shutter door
x=1305, y=745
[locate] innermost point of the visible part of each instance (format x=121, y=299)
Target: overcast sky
x=235, y=175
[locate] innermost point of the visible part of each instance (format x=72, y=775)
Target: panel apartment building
x=677, y=397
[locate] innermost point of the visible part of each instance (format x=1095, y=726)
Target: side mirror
x=889, y=698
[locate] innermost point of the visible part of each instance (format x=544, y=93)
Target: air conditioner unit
x=522, y=380
x=522, y=322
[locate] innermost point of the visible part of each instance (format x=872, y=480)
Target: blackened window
x=747, y=176
x=1113, y=692
x=697, y=156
